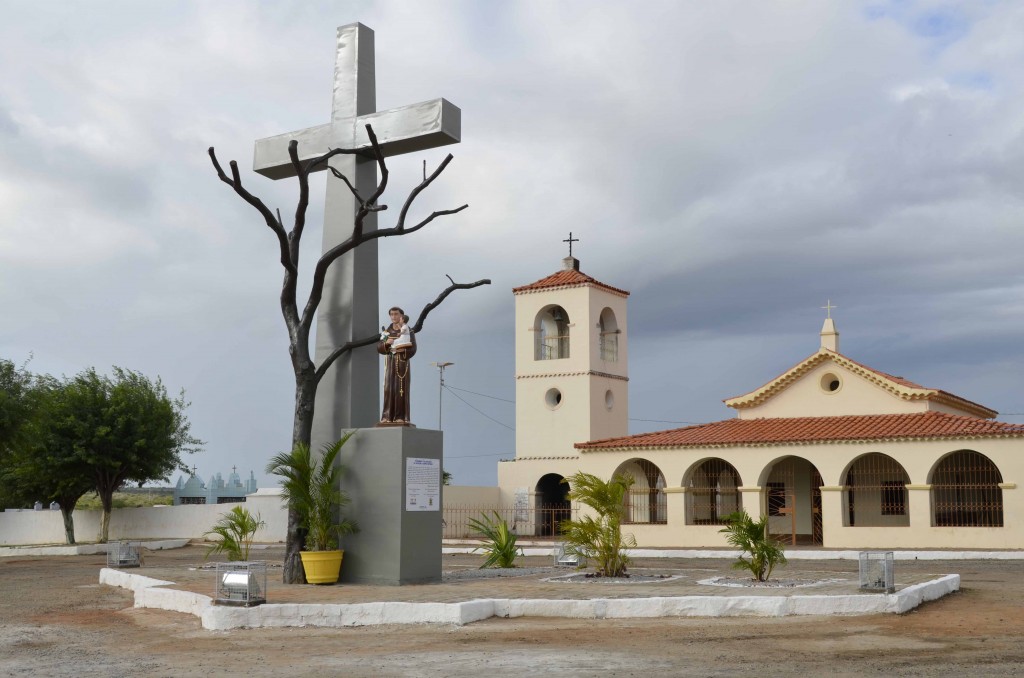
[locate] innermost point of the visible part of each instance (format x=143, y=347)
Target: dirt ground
x=56, y=620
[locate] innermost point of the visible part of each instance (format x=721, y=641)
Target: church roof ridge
x=807, y=430
x=898, y=386
x=567, y=278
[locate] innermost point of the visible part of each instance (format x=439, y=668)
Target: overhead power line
x=482, y=395
x=506, y=400
x=481, y=412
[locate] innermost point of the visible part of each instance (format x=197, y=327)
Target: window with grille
x=712, y=493
x=966, y=493
x=894, y=498
x=645, y=502
x=876, y=492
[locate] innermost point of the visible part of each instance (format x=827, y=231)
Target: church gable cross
x=571, y=240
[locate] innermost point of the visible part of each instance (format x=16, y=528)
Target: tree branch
x=419, y=189
x=444, y=295
x=366, y=341
x=235, y=182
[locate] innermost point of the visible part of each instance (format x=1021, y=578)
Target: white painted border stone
x=790, y=555
x=150, y=594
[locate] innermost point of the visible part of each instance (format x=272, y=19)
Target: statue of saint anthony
x=398, y=344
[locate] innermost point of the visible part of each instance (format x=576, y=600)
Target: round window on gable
x=830, y=383
x=553, y=398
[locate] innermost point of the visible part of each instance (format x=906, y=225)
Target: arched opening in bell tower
x=551, y=328
x=608, y=336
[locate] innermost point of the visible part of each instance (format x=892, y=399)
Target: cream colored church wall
x=832, y=461
x=609, y=421
x=526, y=474
x=542, y=429
x=856, y=395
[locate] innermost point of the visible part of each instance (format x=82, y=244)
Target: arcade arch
x=876, y=492
x=965, y=491
x=552, y=504
x=645, y=501
x=792, y=500
x=712, y=492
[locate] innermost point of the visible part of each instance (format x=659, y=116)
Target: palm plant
x=500, y=545
x=600, y=538
x=751, y=536
x=311, y=487
x=236, y=530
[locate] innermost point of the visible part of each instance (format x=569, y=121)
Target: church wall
x=608, y=420
x=856, y=395
x=471, y=494
x=753, y=463
x=547, y=429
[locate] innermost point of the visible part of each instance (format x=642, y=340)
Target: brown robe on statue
x=397, y=378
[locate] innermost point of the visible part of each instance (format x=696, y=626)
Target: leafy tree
x=236, y=530
x=298, y=318
x=39, y=467
x=600, y=538
x=16, y=413
x=121, y=429
x=751, y=537
x=499, y=541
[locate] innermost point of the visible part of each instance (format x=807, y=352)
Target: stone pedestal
x=397, y=542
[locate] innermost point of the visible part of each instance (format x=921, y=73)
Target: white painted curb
x=86, y=549
x=790, y=555
x=149, y=594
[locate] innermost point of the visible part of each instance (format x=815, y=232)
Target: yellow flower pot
x=322, y=567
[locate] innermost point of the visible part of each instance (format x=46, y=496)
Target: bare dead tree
x=298, y=324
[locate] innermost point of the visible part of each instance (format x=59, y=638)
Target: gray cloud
x=733, y=165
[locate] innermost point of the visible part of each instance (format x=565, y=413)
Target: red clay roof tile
x=815, y=429
x=566, y=278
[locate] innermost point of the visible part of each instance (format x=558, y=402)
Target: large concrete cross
x=349, y=393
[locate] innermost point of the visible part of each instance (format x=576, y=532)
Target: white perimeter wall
x=171, y=522
x=24, y=527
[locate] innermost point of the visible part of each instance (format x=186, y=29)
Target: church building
x=838, y=454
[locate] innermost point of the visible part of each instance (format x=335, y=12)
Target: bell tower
x=571, y=362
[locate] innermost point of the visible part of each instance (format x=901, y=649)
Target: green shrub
x=751, y=537
x=500, y=545
x=599, y=539
x=312, y=488
x=236, y=530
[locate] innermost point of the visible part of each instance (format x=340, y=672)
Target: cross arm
x=418, y=127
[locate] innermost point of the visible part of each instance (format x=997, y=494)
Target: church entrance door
x=552, y=505
x=792, y=500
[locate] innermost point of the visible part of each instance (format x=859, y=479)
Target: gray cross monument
x=349, y=394
x=393, y=474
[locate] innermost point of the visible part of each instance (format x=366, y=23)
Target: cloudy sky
x=732, y=164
